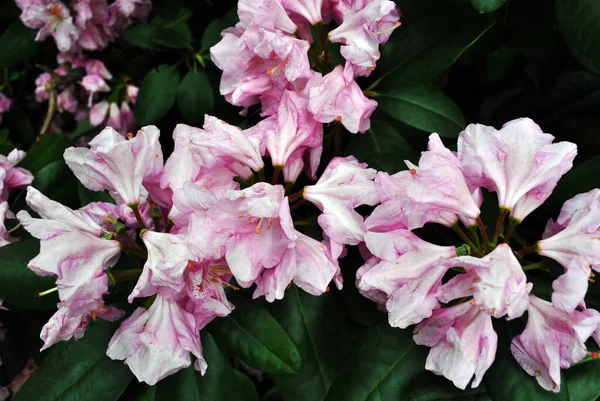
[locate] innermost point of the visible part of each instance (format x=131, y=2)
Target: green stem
x=499, y=223
x=298, y=195
x=512, y=223
x=533, y=266
x=464, y=237
x=486, y=239
x=138, y=216
x=126, y=274
x=51, y=109
x=298, y=204
x=475, y=236
x=276, y=172
x=261, y=175
x=530, y=249
x=15, y=228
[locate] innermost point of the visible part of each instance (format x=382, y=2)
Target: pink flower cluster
x=81, y=24
x=80, y=95
x=522, y=165
x=5, y=105
x=196, y=227
x=11, y=177
x=265, y=59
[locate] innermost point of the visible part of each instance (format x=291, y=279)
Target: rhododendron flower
x=256, y=60
x=496, y=282
x=5, y=105
x=98, y=112
x=365, y=25
x=573, y=242
x=134, y=8
x=308, y=9
x=519, y=162
x=553, y=339
x=406, y=278
x=260, y=227
x=94, y=83
x=12, y=177
x=463, y=343
x=344, y=185
x=51, y=18
x=41, y=91
x=157, y=342
x=219, y=144
x=117, y=164
x=339, y=98
x=66, y=100
x=265, y=14
x=4, y=235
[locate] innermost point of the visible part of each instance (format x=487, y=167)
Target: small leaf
x=212, y=34
x=177, y=36
x=487, y=6
x=254, y=336
x=141, y=35
x=157, y=94
x=427, y=109
x=382, y=366
x=18, y=284
x=17, y=44
x=49, y=148
x=195, y=97
x=576, y=21
x=79, y=370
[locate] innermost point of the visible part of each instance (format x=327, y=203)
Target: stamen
x=272, y=70
x=129, y=135
x=50, y=291
x=396, y=25
x=257, y=229
x=413, y=171
x=55, y=9
x=191, y=265
x=473, y=302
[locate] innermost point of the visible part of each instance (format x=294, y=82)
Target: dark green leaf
x=429, y=387
x=79, y=370
x=142, y=35
x=487, y=6
x=57, y=182
x=195, y=97
x=84, y=127
x=177, y=36
x=157, y=94
x=584, y=381
x=17, y=44
x=220, y=383
x=579, y=179
x=577, y=22
x=382, y=367
x=427, y=109
x=87, y=196
x=6, y=144
x=49, y=148
x=212, y=34
x=254, y=336
x=319, y=329
x=383, y=147
x=506, y=380
x=18, y=284
x=422, y=51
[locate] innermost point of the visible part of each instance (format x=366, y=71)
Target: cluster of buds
x=487, y=278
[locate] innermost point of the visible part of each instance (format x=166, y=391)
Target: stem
x=138, y=216
x=298, y=195
x=126, y=274
x=464, y=237
x=200, y=60
x=276, y=172
x=51, y=110
x=475, y=236
x=261, y=175
x=530, y=249
x=136, y=251
x=15, y=228
x=298, y=204
x=512, y=223
x=486, y=239
x=533, y=266
x=170, y=225
x=499, y=223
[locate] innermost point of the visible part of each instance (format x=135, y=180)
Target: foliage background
x=451, y=63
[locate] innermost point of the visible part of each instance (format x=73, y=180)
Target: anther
x=537, y=373
x=396, y=25
x=338, y=118
x=257, y=229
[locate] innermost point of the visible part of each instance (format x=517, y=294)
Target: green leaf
x=584, y=381
x=487, y=6
x=49, y=148
x=382, y=366
x=382, y=147
x=18, y=284
x=506, y=380
x=142, y=35
x=79, y=370
x=195, y=97
x=157, y=94
x=17, y=44
x=212, y=34
x=581, y=178
x=57, y=182
x=577, y=23
x=427, y=109
x=254, y=336
x=220, y=383
x=87, y=196
x=420, y=52
x=6, y=145
x=321, y=332
x=83, y=127
x=177, y=36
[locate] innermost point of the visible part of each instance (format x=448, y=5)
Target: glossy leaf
x=47, y=149
x=18, y=284
x=319, y=329
x=212, y=34
x=195, y=97
x=87, y=196
x=6, y=144
x=584, y=381
x=421, y=51
x=79, y=370
x=157, y=94
x=581, y=178
x=576, y=21
x=253, y=335
x=57, y=182
x=382, y=366
x=17, y=44
x=427, y=109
